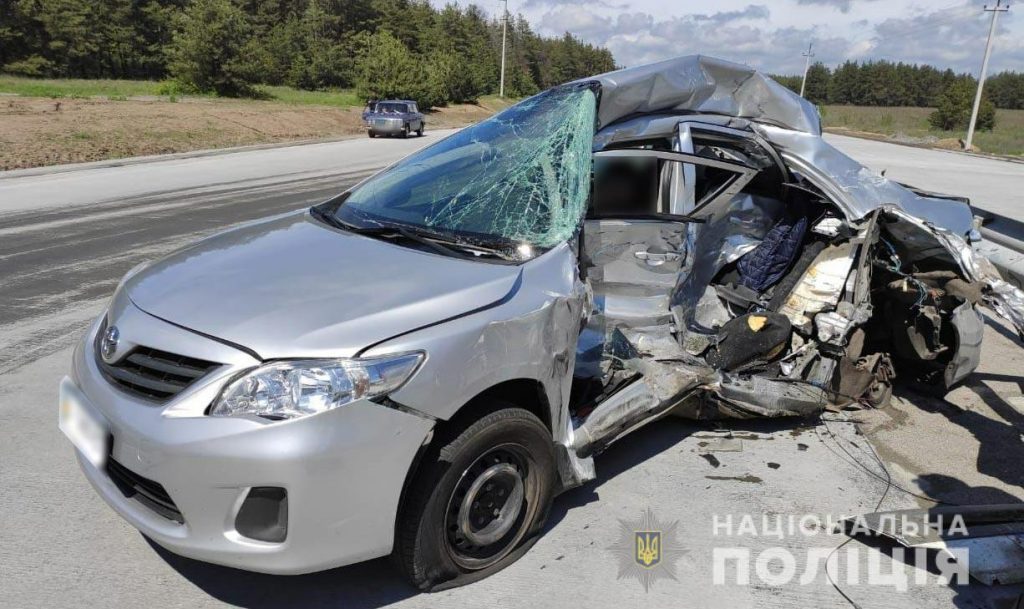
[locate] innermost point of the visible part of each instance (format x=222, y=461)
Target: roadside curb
x=877, y=137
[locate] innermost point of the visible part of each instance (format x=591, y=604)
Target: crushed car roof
x=696, y=83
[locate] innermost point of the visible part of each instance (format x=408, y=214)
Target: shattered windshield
x=519, y=177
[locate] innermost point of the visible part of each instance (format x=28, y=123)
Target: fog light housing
x=264, y=514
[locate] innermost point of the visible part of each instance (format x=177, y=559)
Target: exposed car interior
x=726, y=285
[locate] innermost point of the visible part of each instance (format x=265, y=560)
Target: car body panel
x=207, y=464
x=292, y=287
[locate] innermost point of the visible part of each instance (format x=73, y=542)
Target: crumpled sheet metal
x=1002, y=297
x=657, y=126
x=861, y=191
x=696, y=83
x=660, y=387
x=725, y=237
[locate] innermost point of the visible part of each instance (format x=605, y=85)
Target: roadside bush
x=207, y=53
x=387, y=69
x=34, y=66
x=953, y=112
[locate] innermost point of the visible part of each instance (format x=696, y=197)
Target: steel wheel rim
x=474, y=544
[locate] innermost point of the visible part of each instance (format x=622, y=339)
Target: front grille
x=149, y=493
x=153, y=374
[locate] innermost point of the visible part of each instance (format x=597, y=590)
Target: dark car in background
x=393, y=117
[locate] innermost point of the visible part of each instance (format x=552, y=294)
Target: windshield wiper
x=382, y=230
x=441, y=244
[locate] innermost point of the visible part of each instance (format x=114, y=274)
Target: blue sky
x=771, y=34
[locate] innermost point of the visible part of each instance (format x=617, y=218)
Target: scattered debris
x=713, y=460
x=720, y=445
x=744, y=478
x=991, y=535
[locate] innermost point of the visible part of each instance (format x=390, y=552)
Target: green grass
x=336, y=97
x=121, y=90
x=911, y=125
x=75, y=87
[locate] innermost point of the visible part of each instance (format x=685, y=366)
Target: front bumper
x=343, y=470
x=386, y=126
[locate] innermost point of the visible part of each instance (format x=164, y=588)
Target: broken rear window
x=520, y=177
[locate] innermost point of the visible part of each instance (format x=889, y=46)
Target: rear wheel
x=419, y=132
x=371, y=134
x=479, y=500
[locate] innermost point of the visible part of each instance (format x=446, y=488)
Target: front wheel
x=371, y=134
x=478, y=501
x=405, y=131
x=419, y=132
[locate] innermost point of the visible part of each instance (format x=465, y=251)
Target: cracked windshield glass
x=518, y=178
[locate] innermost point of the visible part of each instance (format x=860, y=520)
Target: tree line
x=885, y=83
x=383, y=48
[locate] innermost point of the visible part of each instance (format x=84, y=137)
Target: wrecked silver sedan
x=419, y=365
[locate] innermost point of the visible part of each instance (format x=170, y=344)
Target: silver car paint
x=246, y=286
x=290, y=288
x=343, y=471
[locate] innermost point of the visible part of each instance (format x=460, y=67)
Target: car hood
x=293, y=287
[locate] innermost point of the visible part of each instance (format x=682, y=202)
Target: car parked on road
x=393, y=117
x=418, y=365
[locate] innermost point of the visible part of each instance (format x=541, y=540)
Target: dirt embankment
x=42, y=131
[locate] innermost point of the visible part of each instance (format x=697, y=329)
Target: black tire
x=462, y=480
x=405, y=131
x=419, y=132
x=371, y=134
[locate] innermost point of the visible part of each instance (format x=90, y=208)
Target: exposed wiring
x=896, y=267
x=889, y=484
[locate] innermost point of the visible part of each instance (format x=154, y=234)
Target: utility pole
x=504, y=26
x=998, y=8
x=807, y=65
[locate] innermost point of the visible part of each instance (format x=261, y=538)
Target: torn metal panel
x=729, y=234
x=991, y=535
x=660, y=388
x=705, y=85
x=1000, y=296
x=857, y=190
x=657, y=343
x=648, y=127
x=756, y=396
x=970, y=330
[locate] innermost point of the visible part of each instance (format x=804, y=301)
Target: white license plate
x=86, y=430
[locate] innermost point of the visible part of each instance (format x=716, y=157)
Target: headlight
x=290, y=389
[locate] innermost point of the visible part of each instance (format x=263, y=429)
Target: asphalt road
x=991, y=184
x=66, y=238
